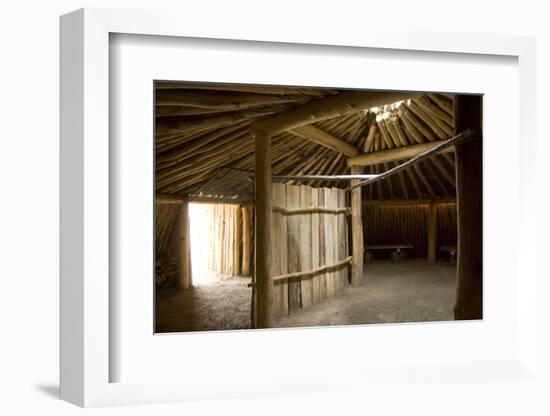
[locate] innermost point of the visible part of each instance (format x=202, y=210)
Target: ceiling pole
x=394, y=154
x=325, y=139
x=328, y=107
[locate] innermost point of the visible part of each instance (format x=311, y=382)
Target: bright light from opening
x=384, y=112
x=200, y=218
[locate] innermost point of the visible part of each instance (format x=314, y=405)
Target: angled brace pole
x=458, y=139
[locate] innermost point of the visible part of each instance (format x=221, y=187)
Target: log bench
x=452, y=252
x=398, y=252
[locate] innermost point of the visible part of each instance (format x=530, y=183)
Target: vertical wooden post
x=238, y=238
x=468, y=156
x=356, y=230
x=263, y=213
x=432, y=233
x=183, y=248
x=246, y=241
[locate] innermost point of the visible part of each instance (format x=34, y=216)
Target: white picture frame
x=86, y=356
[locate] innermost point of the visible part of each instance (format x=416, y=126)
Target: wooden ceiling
x=202, y=131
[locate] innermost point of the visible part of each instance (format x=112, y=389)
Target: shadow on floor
x=51, y=390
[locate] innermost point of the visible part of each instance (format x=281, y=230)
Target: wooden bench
x=452, y=252
x=398, y=252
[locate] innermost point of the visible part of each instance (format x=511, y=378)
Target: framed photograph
x=273, y=212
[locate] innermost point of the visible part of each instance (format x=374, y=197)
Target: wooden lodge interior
x=312, y=206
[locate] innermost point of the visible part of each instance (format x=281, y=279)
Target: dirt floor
x=410, y=291
x=219, y=303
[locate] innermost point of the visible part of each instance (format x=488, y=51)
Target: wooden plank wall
x=389, y=224
x=447, y=224
x=226, y=239
x=165, y=220
x=166, y=233
x=305, y=241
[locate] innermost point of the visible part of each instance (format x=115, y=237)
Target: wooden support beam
x=328, y=107
x=432, y=233
x=237, y=240
x=317, y=270
x=170, y=199
x=226, y=101
x=246, y=241
x=468, y=157
x=325, y=139
x=391, y=155
x=310, y=210
x=183, y=248
x=263, y=214
x=441, y=147
x=180, y=199
x=321, y=177
x=356, y=230
x=256, y=88
x=435, y=201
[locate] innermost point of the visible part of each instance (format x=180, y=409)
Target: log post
x=356, y=230
x=183, y=248
x=432, y=233
x=468, y=156
x=237, y=236
x=246, y=241
x=263, y=213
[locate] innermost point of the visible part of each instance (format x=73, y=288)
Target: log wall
x=166, y=268
x=407, y=224
x=305, y=241
x=226, y=239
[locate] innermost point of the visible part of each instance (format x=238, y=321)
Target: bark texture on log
x=432, y=233
x=246, y=241
x=263, y=194
x=356, y=231
x=328, y=107
x=321, y=137
x=390, y=155
x=468, y=156
x=183, y=248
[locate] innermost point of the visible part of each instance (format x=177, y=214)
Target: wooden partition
x=310, y=231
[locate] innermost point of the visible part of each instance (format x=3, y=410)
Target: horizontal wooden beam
x=441, y=147
x=305, y=178
x=252, y=88
x=226, y=101
x=312, y=210
x=420, y=201
x=325, y=139
x=391, y=155
x=169, y=199
x=322, y=269
x=325, y=108
x=180, y=199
